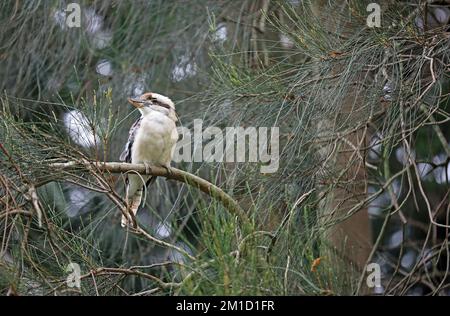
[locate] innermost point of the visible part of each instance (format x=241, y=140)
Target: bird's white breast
x=155, y=140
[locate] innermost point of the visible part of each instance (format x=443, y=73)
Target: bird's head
x=148, y=102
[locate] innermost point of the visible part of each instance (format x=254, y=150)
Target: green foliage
x=318, y=76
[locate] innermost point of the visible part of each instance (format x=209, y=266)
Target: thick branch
x=175, y=174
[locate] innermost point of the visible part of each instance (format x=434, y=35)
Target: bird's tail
x=133, y=204
x=134, y=193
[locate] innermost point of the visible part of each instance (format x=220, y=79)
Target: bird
x=152, y=140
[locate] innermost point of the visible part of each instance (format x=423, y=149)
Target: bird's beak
x=138, y=103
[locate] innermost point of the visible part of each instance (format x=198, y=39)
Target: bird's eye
x=164, y=105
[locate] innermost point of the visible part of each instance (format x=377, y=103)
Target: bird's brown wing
x=126, y=154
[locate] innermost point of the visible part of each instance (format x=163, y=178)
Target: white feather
x=153, y=144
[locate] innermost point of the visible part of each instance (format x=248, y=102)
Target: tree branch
x=175, y=174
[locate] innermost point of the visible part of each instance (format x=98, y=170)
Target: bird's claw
x=148, y=168
x=168, y=169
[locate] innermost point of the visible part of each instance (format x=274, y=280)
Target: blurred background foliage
x=362, y=114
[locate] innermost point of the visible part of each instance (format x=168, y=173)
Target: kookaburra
x=151, y=141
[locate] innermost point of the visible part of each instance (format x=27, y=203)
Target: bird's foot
x=168, y=169
x=148, y=168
